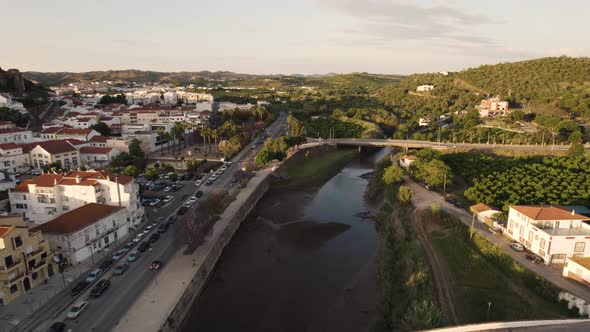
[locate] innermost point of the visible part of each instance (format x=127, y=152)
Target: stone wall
x=202, y=274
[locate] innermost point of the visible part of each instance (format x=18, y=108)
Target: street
x=104, y=312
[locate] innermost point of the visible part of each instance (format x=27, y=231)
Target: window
x=13, y=289
x=557, y=224
x=530, y=236
x=66, y=199
x=106, y=240
x=114, y=224
x=17, y=241
x=87, y=237
x=579, y=246
x=541, y=253
x=521, y=230
x=97, y=231
x=66, y=208
x=536, y=237
x=94, y=245
x=542, y=244
x=21, y=206
x=578, y=255
x=24, y=197
x=35, y=275
x=511, y=223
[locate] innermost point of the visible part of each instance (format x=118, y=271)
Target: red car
x=156, y=265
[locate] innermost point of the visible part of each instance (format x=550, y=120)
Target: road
x=104, y=312
x=415, y=144
x=424, y=199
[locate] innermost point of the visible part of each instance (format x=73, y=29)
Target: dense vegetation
x=18, y=118
x=501, y=181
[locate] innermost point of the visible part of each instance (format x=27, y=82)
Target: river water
x=302, y=261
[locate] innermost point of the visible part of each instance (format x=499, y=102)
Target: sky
x=288, y=36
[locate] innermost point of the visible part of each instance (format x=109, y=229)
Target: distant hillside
x=213, y=78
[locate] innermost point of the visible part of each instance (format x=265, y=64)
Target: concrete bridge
x=415, y=144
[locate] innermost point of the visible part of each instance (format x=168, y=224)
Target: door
x=50, y=269
x=26, y=284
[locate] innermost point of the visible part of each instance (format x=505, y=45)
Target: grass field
x=481, y=275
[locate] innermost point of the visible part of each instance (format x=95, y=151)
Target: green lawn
x=481, y=273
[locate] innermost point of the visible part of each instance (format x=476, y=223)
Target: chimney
x=573, y=212
x=78, y=179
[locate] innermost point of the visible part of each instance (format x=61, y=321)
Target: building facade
x=25, y=259
x=77, y=235
x=552, y=232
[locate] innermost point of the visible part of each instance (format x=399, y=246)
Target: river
x=301, y=261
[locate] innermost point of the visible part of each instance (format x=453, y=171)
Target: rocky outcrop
x=12, y=81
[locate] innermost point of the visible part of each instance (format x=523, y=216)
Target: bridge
x=416, y=144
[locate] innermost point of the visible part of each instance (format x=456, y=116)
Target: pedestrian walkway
x=154, y=305
x=25, y=305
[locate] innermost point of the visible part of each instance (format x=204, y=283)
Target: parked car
x=128, y=246
x=57, y=327
x=171, y=220
x=535, y=259
x=80, y=287
x=198, y=183
x=156, y=265
x=100, y=287
x=193, y=199
x=208, y=183
x=106, y=263
x=154, y=237
x=168, y=199
x=133, y=256
x=120, y=268
x=163, y=227
x=450, y=200
x=77, y=309
x=120, y=253
x=458, y=205
x=199, y=194
x=143, y=246
x=182, y=210
x=93, y=275
x=493, y=231
x=516, y=246
x=138, y=237
x=155, y=202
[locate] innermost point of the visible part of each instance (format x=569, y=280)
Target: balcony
x=36, y=252
x=10, y=267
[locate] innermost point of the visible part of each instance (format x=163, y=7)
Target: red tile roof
x=548, y=212
x=99, y=139
x=4, y=230
x=78, y=219
x=52, y=130
x=9, y=146
x=52, y=147
x=482, y=207
x=76, y=131
x=95, y=150
x=12, y=130
x=23, y=187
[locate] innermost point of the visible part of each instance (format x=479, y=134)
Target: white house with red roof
x=56, y=133
x=13, y=159
x=552, y=232
x=47, y=152
x=49, y=195
x=97, y=156
x=15, y=135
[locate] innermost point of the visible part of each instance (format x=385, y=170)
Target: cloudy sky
x=288, y=36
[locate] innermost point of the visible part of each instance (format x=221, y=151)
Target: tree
x=151, y=174
x=405, y=194
x=264, y=157
x=576, y=150
x=435, y=172
x=173, y=176
x=517, y=115
x=131, y=170
x=135, y=150
x=102, y=128
x=113, y=99
x=393, y=174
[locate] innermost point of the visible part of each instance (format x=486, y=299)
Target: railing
x=11, y=266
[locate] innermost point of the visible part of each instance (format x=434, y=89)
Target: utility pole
x=471, y=229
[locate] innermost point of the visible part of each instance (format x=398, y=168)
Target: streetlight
x=488, y=314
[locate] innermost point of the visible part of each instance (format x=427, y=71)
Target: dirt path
x=443, y=288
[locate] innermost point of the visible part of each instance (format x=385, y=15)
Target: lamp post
x=488, y=313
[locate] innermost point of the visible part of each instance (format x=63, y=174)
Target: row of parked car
x=215, y=175
x=102, y=285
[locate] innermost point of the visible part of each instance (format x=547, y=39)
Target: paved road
x=104, y=312
x=424, y=199
x=412, y=144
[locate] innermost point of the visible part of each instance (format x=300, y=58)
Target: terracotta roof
x=23, y=187
x=103, y=175
x=100, y=139
x=76, y=131
x=583, y=261
x=78, y=219
x=205, y=113
x=12, y=130
x=84, y=119
x=53, y=147
x=95, y=150
x=52, y=130
x=408, y=157
x=4, y=230
x=9, y=146
x=482, y=207
x=548, y=212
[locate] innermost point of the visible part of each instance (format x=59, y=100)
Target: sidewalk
x=25, y=305
x=154, y=305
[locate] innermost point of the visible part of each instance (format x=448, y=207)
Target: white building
x=578, y=269
x=15, y=135
x=48, y=152
x=49, y=195
x=13, y=159
x=170, y=97
x=79, y=234
x=406, y=161
x=425, y=88
x=552, y=232
x=424, y=122
x=493, y=107
x=97, y=157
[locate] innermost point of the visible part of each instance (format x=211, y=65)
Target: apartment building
x=97, y=156
x=25, y=259
x=50, y=195
x=64, y=152
x=493, y=107
x=15, y=135
x=79, y=234
x=552, y=232
x=13, y=159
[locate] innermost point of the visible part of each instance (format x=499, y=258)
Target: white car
x=119, y=254
x=77, y=309
x=198, y=183
x=93, y=275
x=223, y=168
x=155, y=202
x=188, y=204
x=193, y=199
x=213, y=177
x=138, y=237
x=167, y=189
x=168, y=199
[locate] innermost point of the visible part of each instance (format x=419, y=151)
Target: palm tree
x=203, y=136
x=215, y=134
x=161, y=134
